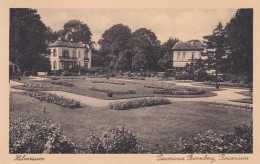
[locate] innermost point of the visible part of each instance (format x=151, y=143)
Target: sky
x=185, y=24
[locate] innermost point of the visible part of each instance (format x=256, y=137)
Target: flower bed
x=109, y=81
x=160, y=86
x=113, y=92
x=136, y=103
x=52, y=98
x=231, y=105
x=35, y=135
x=228, y=84
x=63, y=83
x=189, y=91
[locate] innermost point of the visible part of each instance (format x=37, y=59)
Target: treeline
x=228, y=49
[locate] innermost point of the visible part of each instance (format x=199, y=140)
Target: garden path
x=223, y=96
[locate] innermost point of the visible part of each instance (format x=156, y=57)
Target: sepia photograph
x=104, y=81
x=129, y=82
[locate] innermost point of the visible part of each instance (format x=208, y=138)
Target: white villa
x=65, y=55
x=186, y=52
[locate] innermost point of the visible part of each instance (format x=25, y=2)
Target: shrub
x=112, y=92
x=33, y=134
x=115, y=140
x=139, y=102
x=55, y=78
x=55, y=73
x=160, y=86
x=63, y=84
x=108, y=81
x=52, y=98
x=189, y=91
x=229, y=84
x=241, y=141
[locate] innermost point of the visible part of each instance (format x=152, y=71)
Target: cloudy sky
x=185, y=24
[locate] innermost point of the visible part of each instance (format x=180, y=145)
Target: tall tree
x=27, y=37
x=139, y=59
x=239, y=41
x=166, y=61
x=147, y=41
x=215, y=48
x=77, y=31
x=124, y=61
x=167, y=46
x=114, y=40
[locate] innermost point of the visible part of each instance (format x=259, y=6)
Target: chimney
x=71, y=40
x=192, y=42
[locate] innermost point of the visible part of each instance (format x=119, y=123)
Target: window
x=74, y=53
x=85, y=54
x=79, y=53
x=184, y=55
x=54, y=53
x=65, y=53
x=192, y=55
x=178, y=55
x=54, y=65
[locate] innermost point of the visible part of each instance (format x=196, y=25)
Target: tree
x=77, y=31
x=167, y=46
x=239, y=41
x=139, y=60
x=215, y=48
x=27, y=37
x=166, y=61
x=124, y=61
x=147, y=41
x=114, y=40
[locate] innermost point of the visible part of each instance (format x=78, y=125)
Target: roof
x=188, y=46
x=11, y=63
x=60, y=43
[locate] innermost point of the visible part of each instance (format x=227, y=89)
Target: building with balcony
x=66, y=55
x=186, y=52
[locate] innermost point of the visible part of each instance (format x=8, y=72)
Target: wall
x=181, y=62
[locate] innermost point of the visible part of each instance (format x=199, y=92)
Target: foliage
x=229, y=84
x=147, y=41
x=113, y=91
x=139, y=102
x=189, y=91
x=109, y=81
x=139, y=60
x=116, y=140
x=124, y=61
x=52, y=98
x=114, y=40
x=77, y=31
x=27, y=39
x=63, y=84
x=34, y=135
x=55, y=73
x=215, y=49
x=241, y=141
x=166, y=61
x=239, y=42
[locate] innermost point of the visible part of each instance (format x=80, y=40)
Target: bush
x=140, y=102
x=229, y=84
x=189, y=91
x=63, y=84
x=52, y=98
x=33, y=134
x=112, y=92
x=241, y=141
x=115, y=140
x=55, y=73
x=108, y=81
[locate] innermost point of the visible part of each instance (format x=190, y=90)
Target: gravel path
x=223, y=96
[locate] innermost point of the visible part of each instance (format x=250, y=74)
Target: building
x=186, y=52
x=66, y=55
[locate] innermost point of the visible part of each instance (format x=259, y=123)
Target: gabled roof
x=60, y=43
x=181, y=46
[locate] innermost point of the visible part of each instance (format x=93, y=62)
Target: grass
x=81, y=87
x=152, y=125
x=248, y=100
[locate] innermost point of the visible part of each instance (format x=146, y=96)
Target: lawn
x=151, y=125
x=81, y=87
